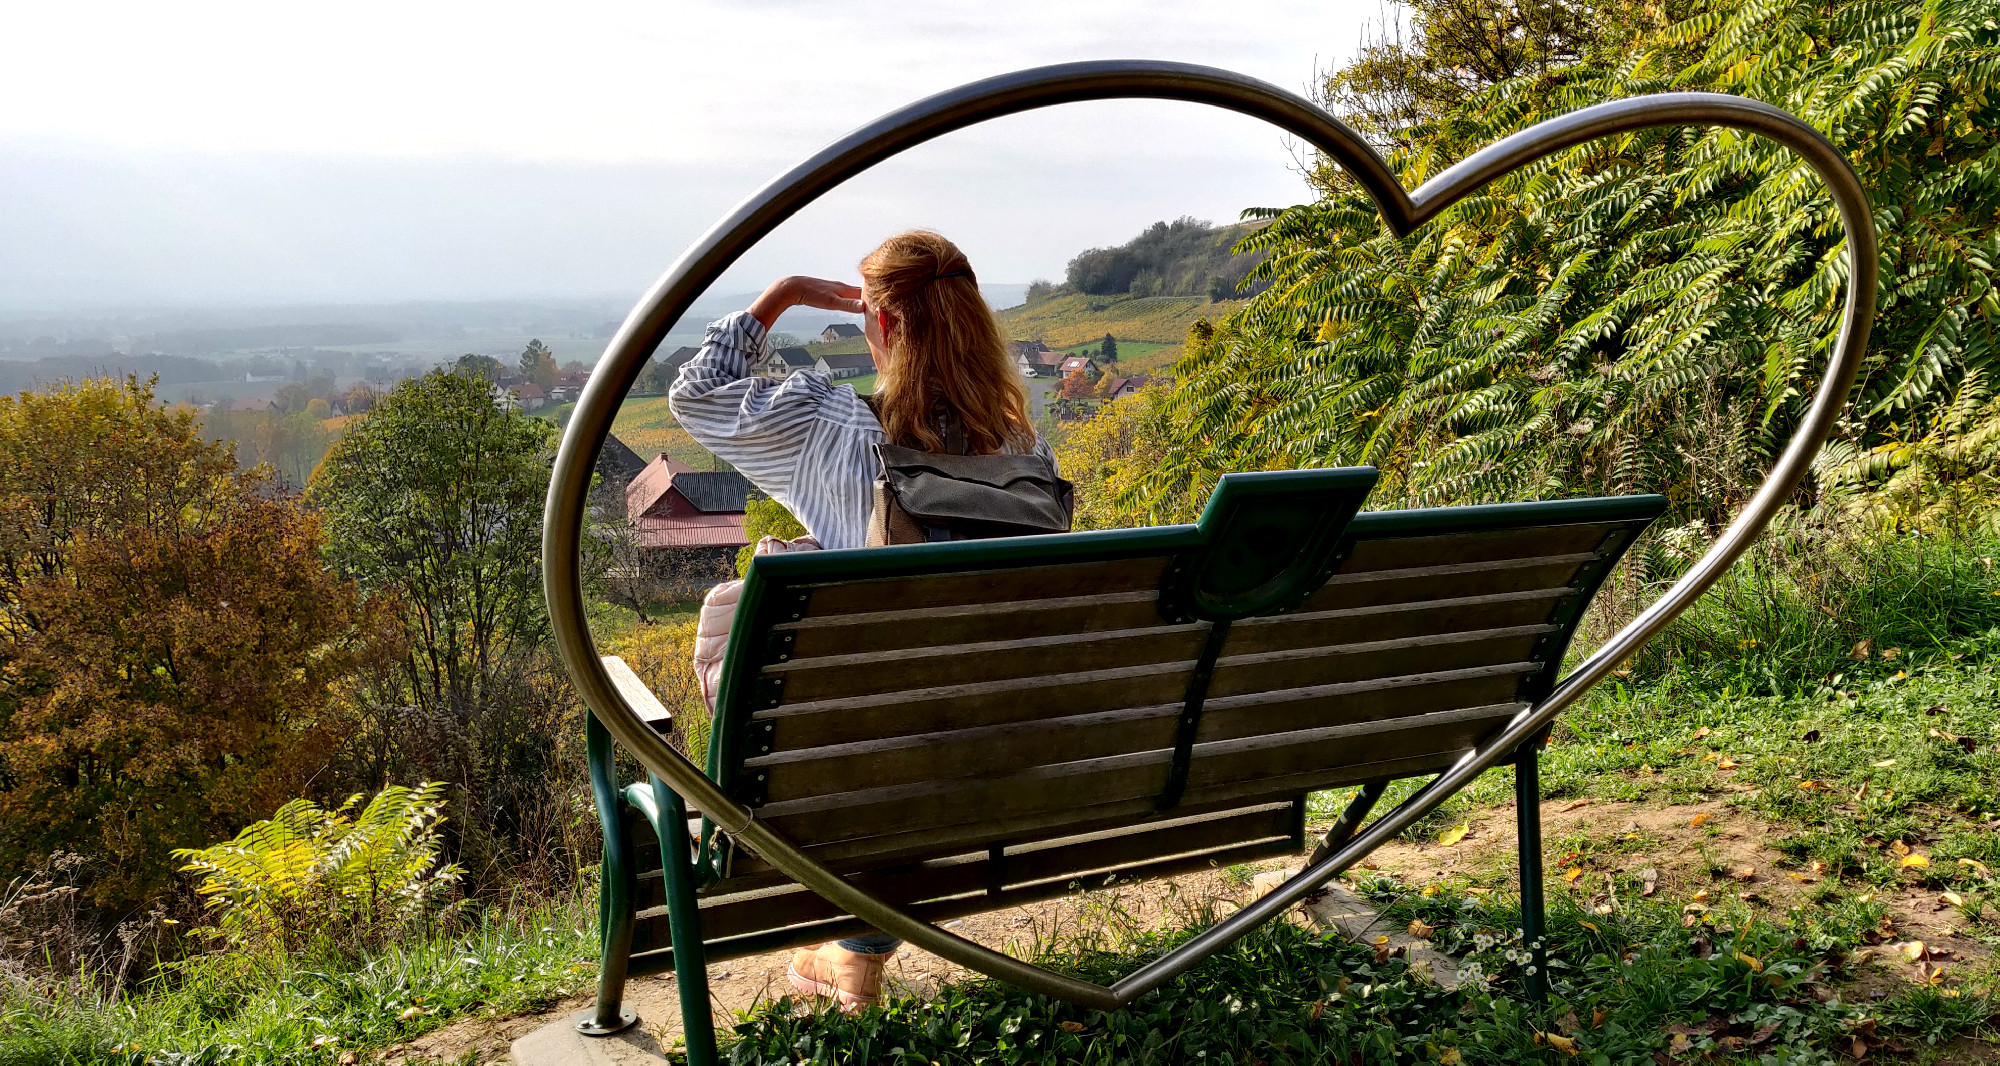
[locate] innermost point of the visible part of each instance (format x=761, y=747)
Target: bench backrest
x=884, y=705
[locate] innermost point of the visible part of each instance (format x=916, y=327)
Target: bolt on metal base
x=587, y=1023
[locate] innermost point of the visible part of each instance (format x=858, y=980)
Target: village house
x=530, y=396
x=859, y=364
x=1035, y=359
x=680, y=358
x=568, y=386
x=839, y=331
x=673, y=505
x=1079, y=364
x=784, y=362
x=618, y=464
x=1119, y=388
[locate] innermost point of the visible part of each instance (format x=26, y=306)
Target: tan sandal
x=830, y=971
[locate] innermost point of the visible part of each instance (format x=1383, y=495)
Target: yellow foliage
x=663, y=657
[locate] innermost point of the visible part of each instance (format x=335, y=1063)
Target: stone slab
x=1337, y=909
x=559, y=1044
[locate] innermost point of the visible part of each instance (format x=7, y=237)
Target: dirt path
x=1594, y=849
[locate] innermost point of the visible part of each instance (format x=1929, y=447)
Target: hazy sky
x=252, y=153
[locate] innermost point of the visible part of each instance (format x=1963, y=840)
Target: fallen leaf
x=1421, y=930
x=1799, y=877
x=1454, y=834
x=1727, y=763
x=1645, y=769
x=1899, y=847
x=1953, y=898
x=1700, y=733
x=1861, y=650
x=410, y=1012
x=1890, y=655
x=1449, y=1057
x=1743, y=873
x=1756, y=964
x=1976, y=866
x=1072, y=1027
x=1809, y=785
x=1698, y=819
x=1710, y=757
x=1916, y=860
x=1597, y=1019
x=1561, y=1043
x=1884, y=764
x=1913, y=950
x=1590, y=927
x=1574, y=805
x=1574, y=873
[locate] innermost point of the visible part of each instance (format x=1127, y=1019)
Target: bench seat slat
x=987, y=587
x=1132, y=776
x=930, y=627
x=1090, y=855
x=1397, y=551
x=656, y=957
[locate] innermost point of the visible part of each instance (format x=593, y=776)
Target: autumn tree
x=538, y=364
x=170, y=637
x=434, y=501
x=1078, y=386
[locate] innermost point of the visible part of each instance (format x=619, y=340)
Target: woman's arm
x=799, y=291
x=755, y=424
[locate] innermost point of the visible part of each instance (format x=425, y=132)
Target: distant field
x=1073, y=318
x=850, y=346
x=648, y=428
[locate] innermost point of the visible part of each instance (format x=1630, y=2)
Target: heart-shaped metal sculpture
x=1026, y=90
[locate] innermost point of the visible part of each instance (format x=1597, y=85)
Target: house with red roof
x=673, y=505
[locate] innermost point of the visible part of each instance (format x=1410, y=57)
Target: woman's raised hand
x=800, y=291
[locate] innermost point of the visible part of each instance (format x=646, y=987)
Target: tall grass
x=310, y=1007
x=1810, y=599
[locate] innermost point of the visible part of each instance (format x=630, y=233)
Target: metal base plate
x=586, y=1023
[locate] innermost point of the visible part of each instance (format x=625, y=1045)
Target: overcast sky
x=255, y=153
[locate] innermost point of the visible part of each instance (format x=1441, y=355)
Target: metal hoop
x=1026, y=90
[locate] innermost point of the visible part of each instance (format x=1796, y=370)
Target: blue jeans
x=871, y=944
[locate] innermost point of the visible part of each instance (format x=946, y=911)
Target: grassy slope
x=1072, y=319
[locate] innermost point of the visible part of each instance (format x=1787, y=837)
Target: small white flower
x=1530, y=969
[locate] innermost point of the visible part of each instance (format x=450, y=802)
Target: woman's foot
x=849, y=978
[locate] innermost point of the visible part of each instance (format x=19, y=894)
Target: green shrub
x=309, y=873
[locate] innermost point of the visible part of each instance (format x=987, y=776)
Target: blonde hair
x=946, y=349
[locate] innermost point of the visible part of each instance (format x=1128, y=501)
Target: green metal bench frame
x=1402, y=211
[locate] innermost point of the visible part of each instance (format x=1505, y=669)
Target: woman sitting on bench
x=810, y=444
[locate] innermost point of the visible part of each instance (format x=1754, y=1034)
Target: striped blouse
x=805, y=442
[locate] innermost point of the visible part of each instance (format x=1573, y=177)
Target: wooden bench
x=968, y=726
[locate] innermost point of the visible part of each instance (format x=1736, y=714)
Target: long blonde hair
x=946, y=349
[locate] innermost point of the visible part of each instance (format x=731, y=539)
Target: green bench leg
x=1349, y=822
x=684, y=925
x=1528, y=824
x=614, y=891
